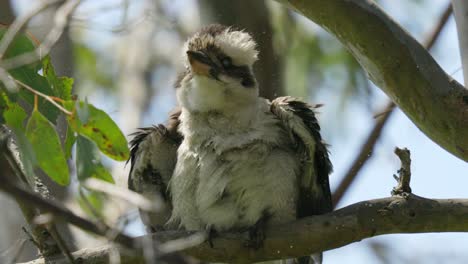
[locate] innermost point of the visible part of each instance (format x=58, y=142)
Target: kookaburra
x=228, y=159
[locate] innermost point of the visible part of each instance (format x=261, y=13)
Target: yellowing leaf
x=97, y=126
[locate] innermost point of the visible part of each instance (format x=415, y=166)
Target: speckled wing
x=153, y=157
x=299, y=119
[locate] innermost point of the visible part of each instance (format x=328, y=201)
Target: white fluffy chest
x=230, y=180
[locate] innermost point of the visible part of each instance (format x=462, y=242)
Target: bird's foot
x=257, y=234
x=211, y=233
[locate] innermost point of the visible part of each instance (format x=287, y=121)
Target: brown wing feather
x=153, y=155
x=299, y=118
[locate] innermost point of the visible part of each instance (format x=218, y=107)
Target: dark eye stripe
x=226, y=62
x=243, y=73
x=218, y=67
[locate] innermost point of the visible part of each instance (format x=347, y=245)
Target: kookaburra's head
x=218, y=74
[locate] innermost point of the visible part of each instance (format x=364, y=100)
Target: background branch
x=60, y=23
x=399, y=65
x=62, y=213
x=18, y=25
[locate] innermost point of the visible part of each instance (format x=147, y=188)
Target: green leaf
x=29, y=74
x=13, y=114
x=70, y=139
x=97, y=126
x=88, y=67
x=46, y=146
x=3, y=105
x=62, y=86
x=88, y=162
x=94, y=199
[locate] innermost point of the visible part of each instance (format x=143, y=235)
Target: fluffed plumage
x=230, y=159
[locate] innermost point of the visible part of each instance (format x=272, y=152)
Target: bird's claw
x=257, y=234
x=256, y=237
x=212, y=233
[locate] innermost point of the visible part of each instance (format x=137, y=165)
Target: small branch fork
x=404, y=172
x=50, y=99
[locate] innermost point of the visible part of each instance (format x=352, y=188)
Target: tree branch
x=368, y=146
x=410, y=214
x=399, y=65
x=405, y=172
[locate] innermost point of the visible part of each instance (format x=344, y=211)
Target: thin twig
x=90, y=207
x=20, y=23
x=404, y=172
x=60, y=22
x=124, y=194
x=31, y=238
x=6, y=79
x=45, y=96
x=368, y=146
x=61, y=243
x=62, y=213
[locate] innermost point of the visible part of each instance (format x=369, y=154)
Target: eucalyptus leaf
x=88, y=163
x=99, y=128
x=46, y=145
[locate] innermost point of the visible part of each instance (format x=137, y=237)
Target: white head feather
x=237, y=44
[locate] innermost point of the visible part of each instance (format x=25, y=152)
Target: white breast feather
x=226, y=177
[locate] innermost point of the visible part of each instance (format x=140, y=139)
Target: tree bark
x=398, y=214
x=399, y=65
x=12, y=222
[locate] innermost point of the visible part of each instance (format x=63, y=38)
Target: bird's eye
x=227, y=62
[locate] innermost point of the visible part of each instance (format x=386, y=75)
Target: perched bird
x=229, y=159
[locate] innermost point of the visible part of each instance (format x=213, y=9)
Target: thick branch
x=362, y=220
x=399, y=65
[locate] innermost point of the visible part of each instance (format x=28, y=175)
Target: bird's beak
x=200, y=63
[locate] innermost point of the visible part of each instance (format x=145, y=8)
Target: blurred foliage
x=88, y=162
x=311, y=55
x=88, y=127
x=92, y=203
x=89, y=67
